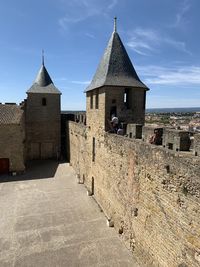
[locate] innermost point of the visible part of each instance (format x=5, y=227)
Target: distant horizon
x=175, y=108
x=172, y=110
x=147, y=108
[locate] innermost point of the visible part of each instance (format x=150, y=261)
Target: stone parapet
x=134, y=130
x=176, y=140
x=197, y=144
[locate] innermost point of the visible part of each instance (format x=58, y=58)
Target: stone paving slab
x=47, y=220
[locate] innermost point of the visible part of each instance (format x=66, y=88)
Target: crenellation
x=197, y=144
x=176, y=140
x=134, y=130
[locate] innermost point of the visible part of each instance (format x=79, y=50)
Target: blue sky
x=161, y=37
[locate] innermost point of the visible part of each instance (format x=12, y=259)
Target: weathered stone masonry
x=151, y=193
x=12, y=137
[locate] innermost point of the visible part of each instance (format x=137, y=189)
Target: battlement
x=80, y=117
x=170, y=138
x=197, y=144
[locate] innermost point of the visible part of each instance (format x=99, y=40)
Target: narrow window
x=167, y=168
x=92, y=186
x=97, y=99
x=91, y=101
x=170, y=146
x=93, y=149
x=44, y=101
x=144, y=100
x=127, y=98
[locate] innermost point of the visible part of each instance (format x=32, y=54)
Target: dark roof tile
x=43, y=83
x=115, y=67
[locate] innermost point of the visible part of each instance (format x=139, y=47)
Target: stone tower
x=116, y=89
x=42, y=115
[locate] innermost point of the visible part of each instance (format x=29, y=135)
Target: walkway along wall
x=152, y=194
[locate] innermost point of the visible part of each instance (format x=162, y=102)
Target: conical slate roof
x=43, y=78
x=43, y=83
x=115, y=67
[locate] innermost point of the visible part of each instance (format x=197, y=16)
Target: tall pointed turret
x=115, y=90
x=115, y=67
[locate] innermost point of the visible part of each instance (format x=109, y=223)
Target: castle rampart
x=151, y=193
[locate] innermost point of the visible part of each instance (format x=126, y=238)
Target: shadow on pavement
x=36, y=169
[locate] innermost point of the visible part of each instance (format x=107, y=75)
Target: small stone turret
x=42, y=115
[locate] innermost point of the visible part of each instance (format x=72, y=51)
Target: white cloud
x=61, y=79
x=90, y=35
x=80, y=10
x=148, y=34
x=181, y=75
x=139, y=47
x=64, y=79
x=177, y=44
x=180, y=16
x=141, y=40
x=148, y=41
x=81, y=82
x=112, y=4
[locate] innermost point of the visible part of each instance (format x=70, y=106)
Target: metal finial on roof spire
x=43, y=57
x=115, y=24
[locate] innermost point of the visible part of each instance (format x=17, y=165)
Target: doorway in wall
x=113, y=112
x=4, y=166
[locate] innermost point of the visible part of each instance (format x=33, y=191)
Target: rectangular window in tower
x=93, y=149
x=97, y=99
x=44, y=101
x=144, y=100
x=127, y=98
x=91, y=100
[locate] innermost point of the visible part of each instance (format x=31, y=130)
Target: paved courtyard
x=47, y=220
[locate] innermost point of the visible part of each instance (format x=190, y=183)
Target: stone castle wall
x=151, y=193
x=12, y=138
